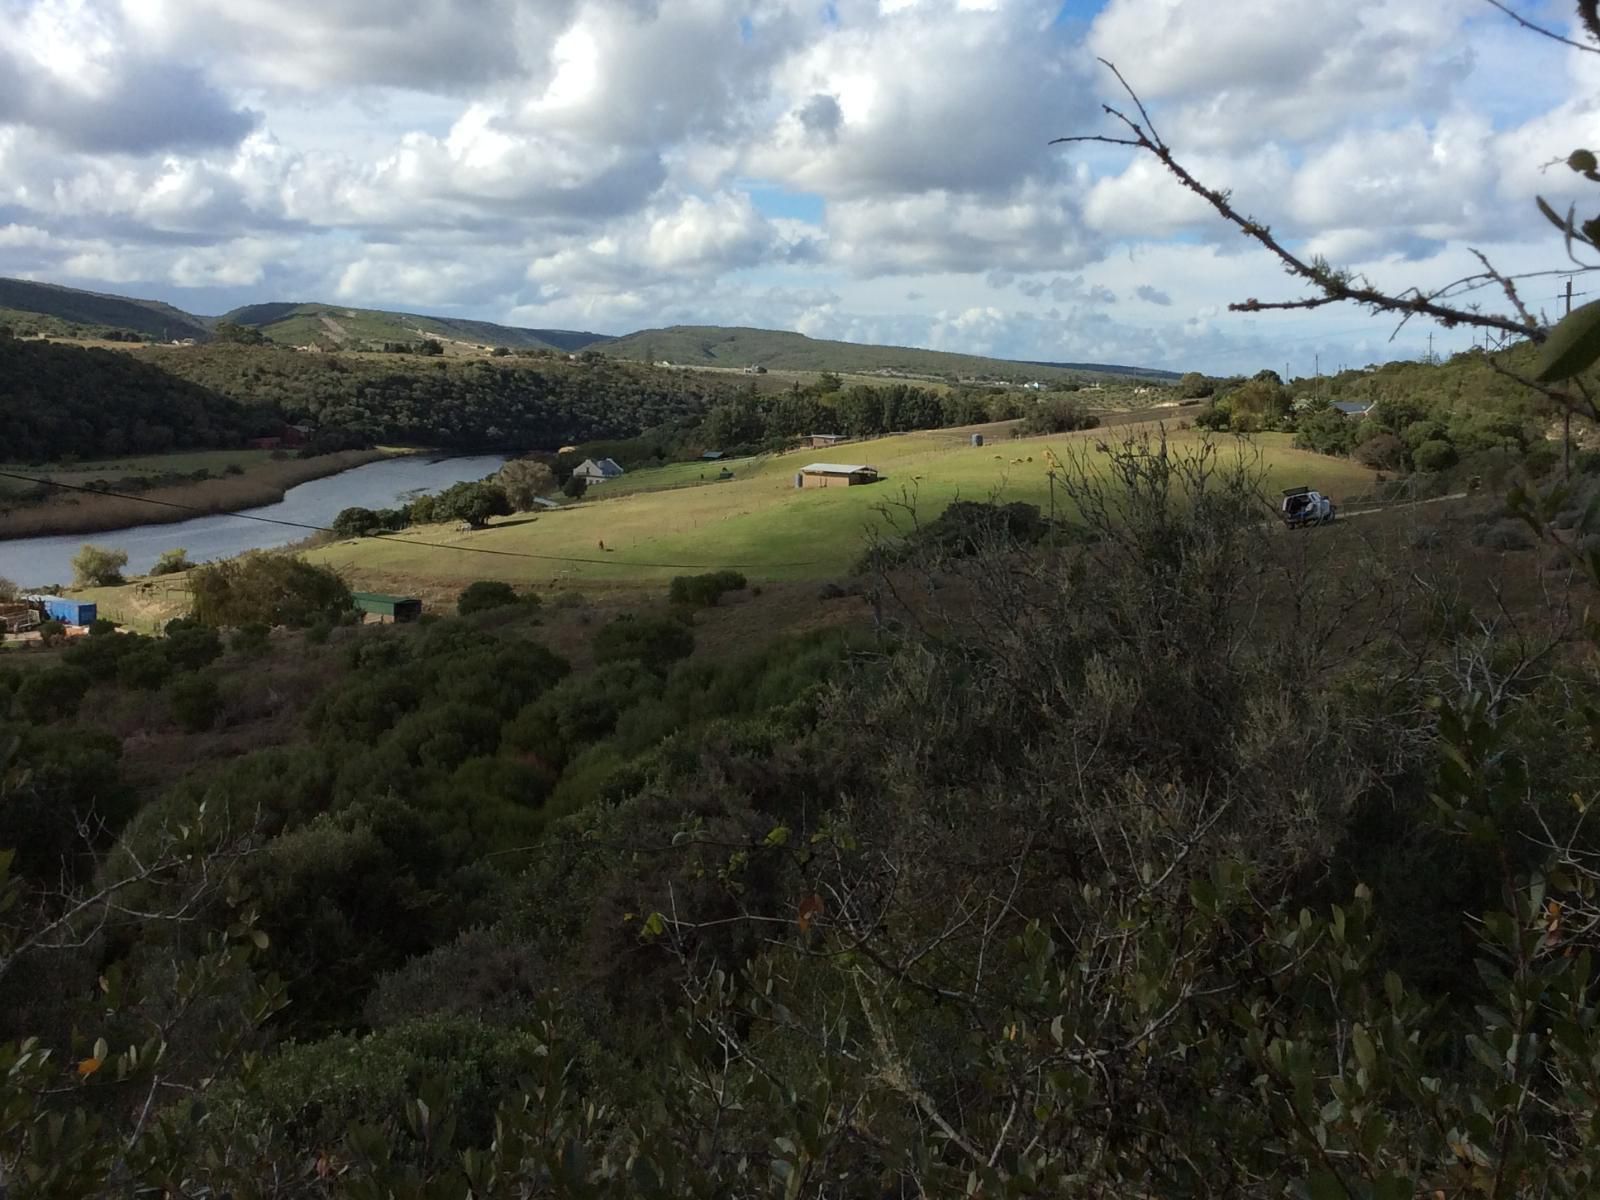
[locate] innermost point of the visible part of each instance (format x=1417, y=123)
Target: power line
x=385, y=537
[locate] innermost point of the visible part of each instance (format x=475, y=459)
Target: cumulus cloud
x=867, y=169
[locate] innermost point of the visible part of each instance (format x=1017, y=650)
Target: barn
x=834, y=475
x=387, y=610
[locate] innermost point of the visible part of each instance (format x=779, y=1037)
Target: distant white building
x=598, y=472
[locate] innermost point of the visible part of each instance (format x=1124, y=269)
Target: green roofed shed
x=387, y=609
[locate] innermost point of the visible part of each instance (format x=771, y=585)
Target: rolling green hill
x=716, y=346
x=334, y=325
x=67, y=311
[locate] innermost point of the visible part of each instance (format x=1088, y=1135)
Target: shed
x=817, y=475
x=821, y=441
x=712, y=455
x=68, y=612
x=387, y=610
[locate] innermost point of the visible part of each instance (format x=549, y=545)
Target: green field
x=215, y=461
x=757, y=522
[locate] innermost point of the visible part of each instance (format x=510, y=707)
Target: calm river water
x=41, y=561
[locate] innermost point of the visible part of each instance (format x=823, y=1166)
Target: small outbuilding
x=977, y=439
x=386, y=610
x=822, y=441
x=818, y=475
x=1353, y=408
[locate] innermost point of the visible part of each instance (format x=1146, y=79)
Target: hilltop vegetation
x=313, y=324
x=715, y=346
x=92, y=313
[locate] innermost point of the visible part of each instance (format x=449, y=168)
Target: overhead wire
x=385, y=537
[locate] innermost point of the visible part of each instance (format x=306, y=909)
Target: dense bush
x=654, y=642
x=266, y=589
x=171, y=562
x=1057, y=416
x=483, y=594
x=194, y=701
x=703, y=591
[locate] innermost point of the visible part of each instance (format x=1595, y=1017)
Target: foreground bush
x=484, y=594
x=703, y=591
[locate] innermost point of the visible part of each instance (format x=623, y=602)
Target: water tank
x=977, y=439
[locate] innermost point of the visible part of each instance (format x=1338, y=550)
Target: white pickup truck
x=1302, y=506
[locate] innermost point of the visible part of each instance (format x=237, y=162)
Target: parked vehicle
x=1303, y=506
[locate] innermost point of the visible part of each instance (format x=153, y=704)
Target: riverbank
x=81, y=512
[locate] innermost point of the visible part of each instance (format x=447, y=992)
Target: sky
x=871, y=170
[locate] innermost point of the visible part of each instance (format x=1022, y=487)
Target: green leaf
x=1366, y=1052
x=1573, y=345
x=653, y=927
x=1325, y=1185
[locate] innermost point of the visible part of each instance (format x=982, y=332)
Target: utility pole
x=1430, y=348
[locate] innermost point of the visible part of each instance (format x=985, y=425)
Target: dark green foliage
x=194, y=701
x=654, y=642
x=703, y=591
x=575, y=488
x=252, y=640
x=473, y=503
x=100, y=627
x=144, y=666
x=1435, y=454
x=53, y=404
x=1057, y=415
x=192, y=647
x=579, y=711
x=964, y=528
x=1326, y=431
x=356, y=522
x=266, y=589
x=171, y=562
x=96, y=566
x=50, y=694
x=64, y=797
x=484, y=594
x=480, y=975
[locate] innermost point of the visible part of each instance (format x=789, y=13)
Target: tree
x=655, y=642
x=524, y=480
x=430, y=346
x=266, y=589
x=171, y=562
x=473, y=503
x=242, y=335
x=96, y=566
x=193, y=701
x=8, y=590
x=483, y=594
x=356, y=522
x=1195, y=386
x=575, y=487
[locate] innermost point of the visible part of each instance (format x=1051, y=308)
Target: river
x=42, y=561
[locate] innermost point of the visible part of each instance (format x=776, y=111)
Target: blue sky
x=862, y=169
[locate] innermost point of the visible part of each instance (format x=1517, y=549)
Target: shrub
x=100, y=627
x=1059, y=415
x=145, y=666
x=96, y=566
x=318, y=632
x=193, y=701
x=655, y=642
x=51, y=694
x=171, y=562
x=192, y=647
x=1382, y=451
x=356, y=522
x=251, y=640
x=51, y=632
x=703, y=591
x=575, y=487
x=1506, y=534
x=1436, y=454
x=473, y=503
x=267, y=589
x=484, y=594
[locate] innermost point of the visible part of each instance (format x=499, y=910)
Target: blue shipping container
x=71, y=612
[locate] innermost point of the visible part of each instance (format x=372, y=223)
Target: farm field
x=758, y=522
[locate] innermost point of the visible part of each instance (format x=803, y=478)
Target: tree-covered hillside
x=542, y=403
x=65, y=400
x=716, y=346
x=92, y=311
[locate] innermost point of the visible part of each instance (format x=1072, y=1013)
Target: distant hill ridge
x=298, y=323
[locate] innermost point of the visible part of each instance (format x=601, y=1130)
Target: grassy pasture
x=757, y=522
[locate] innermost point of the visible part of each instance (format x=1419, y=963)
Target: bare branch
x=1550, y=33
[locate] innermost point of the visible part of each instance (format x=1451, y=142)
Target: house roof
x=835, y=469
x=713, y=455
x=1353, y=407
x=832, y=437
x=604, y=466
